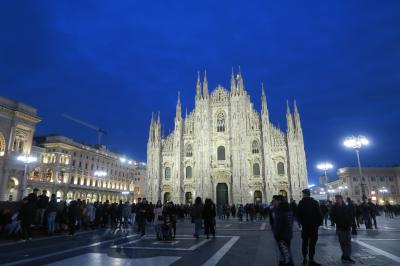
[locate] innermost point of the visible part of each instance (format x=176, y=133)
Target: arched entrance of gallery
x=188, y=198
x=222, y=194
x=257, y=197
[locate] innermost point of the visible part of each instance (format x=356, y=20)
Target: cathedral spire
x=178, y=114
x=297, y=122
x=289, y=119
x=233, y=83
x=205, y=85
x=263, y=99
x=151, y=131
x=240, y=85
x=198, y=86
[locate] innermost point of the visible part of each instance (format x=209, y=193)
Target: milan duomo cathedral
x=225, y=150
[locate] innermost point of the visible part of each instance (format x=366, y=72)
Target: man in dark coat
x=282, y=228
x=25, y=215
x=343, y=217
x=209, y=214
x=73, y=210
x=373, y=211
x=142, y=214
x=310, y=218
x=42, y=204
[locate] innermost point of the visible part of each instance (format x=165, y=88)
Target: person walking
x=282, y=228
x=310, y=218
x=325, y=213
x=158, y=220
x=143, y=209
x=73, y=210
x=51, y=215
x=343, y=217
x=209, y=214
x=240, y=213
x=365, y=210
x=25, y=216
x=197, y=214
x=373, y=211
x=126, y=214
x=350, y=205
x=42, y=203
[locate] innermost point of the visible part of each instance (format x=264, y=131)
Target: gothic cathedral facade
x=225, y=150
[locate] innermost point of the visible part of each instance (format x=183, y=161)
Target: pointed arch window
x=188, y=172
x=255, y=147
x=281, y=168
x=167, y=173
x=221, y=153
x=221, y=122
x=189, y=150
x=256, y=169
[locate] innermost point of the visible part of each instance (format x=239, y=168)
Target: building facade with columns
x=17, y=127
x=68, y=169
x=225, y=150
x=382, y=184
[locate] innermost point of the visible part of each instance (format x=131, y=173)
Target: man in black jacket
x=343, y=217
x=282, y=229
x=42, y=203
x=310, y=218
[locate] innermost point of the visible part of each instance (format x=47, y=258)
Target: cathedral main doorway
x=188, y=198
x=283, y=193
x=167, y=197
x=257, y=197
x=222, y=194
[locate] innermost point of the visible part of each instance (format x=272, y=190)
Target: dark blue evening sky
x=112, y=63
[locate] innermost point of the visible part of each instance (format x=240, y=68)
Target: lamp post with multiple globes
x=100, y=176
x=325, y=166
x=26, y=159
x=356, y=143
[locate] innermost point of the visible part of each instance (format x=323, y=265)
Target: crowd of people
x=46, y=214
x=345, y=215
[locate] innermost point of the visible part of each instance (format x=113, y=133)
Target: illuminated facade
x=68, y=168
x=225, y=150
x=17, y=126
x=382, y=184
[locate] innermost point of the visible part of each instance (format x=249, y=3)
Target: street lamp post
x=325, y=166
x=356, y=143
x=100, y=176
x=26, y=159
